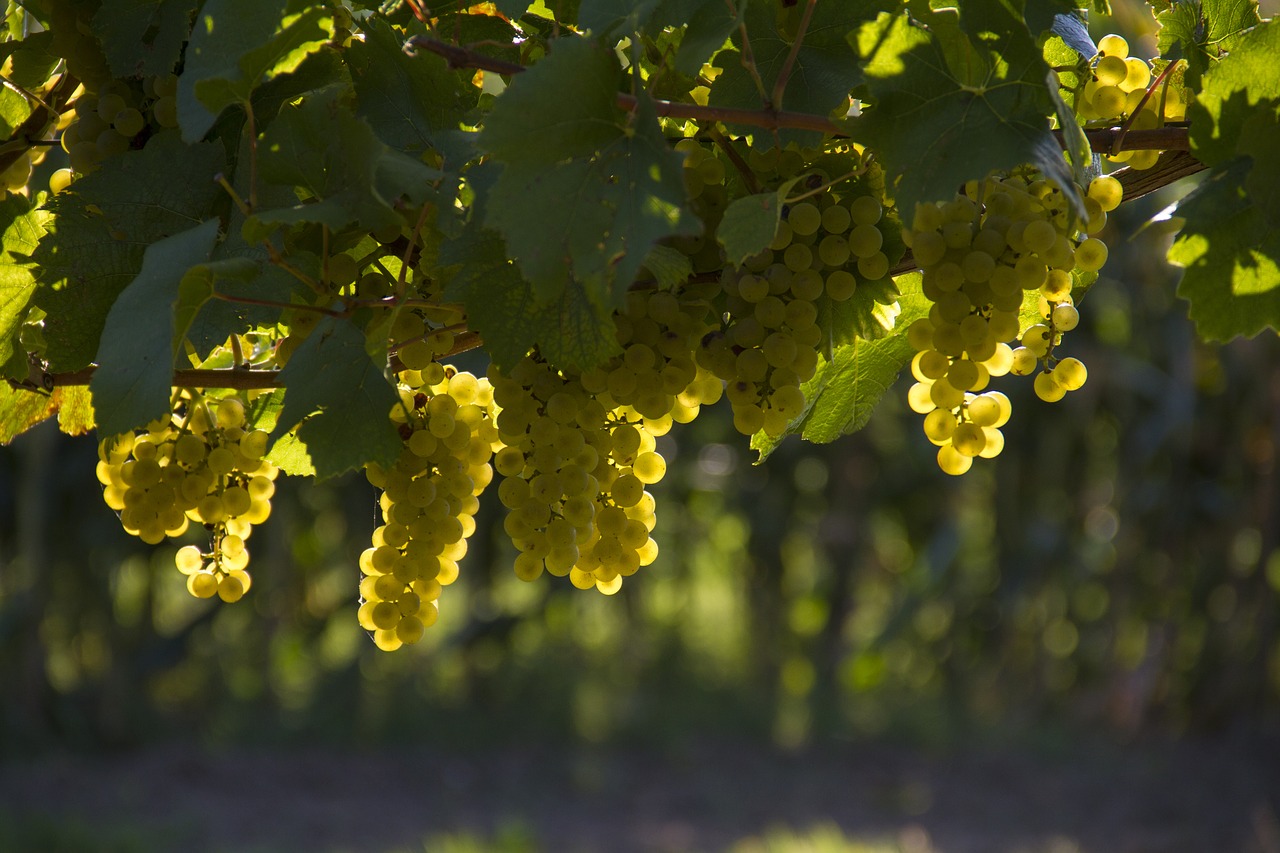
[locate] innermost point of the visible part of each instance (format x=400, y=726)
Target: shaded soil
x=1185, y=797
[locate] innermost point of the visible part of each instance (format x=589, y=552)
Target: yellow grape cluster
x=1123, y=88
x=429, y=500
x=202, y=464
x=656, y=376
x=575, y=468
x=1005, y=240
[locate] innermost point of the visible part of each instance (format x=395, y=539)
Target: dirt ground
x=1193, y=796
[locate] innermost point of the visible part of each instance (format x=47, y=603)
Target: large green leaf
x=134, y=378
x=412, y=102
x=586, y=189
x=320, y=150
x=1230, y=250
x=236, y=46
x=1203, y=31
x=1230, y=242
x=143, y=38
x=344, y=398
x=957, y=95
x=101, y=228
x=845, y=390
x=571, y=330
x=20, y=231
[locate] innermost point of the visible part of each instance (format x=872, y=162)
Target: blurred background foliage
x=1118, y=565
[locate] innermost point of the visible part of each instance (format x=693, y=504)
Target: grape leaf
x=344, y=398
x=709, y=24
x=749, y=225
x=669, y=267
x=238, y=45
x=412, y=102
x=21, y=409
x=1229, y=250
x=844, y=391
x=1230, y=242
x=586, y=189
x=100, y=229
x=31, y=60
x=824, y=70
x=1203, y=31
x=134, y=378
x=143, y=38
x=571, y=330
x=1235, y=90
x=206, y=322
x=334, y=159
x=956, y=96
x=288, y=454
x=20, y=231
x=14, y=110
x=75, y=409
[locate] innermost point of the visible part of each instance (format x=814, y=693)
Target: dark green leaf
x=564, y=107
x=101, y=228
x=236, y=46
x=749, y=225
x=135, y=358
x=331, y=158
x=344, y=398
x=412, y=102
x=956, y=98
x=669, y=267
x=589, y=209
x=143, y=38
x=32, y=60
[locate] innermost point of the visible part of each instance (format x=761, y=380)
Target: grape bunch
x=575, y=467
x=656, y=377
x=429, y=500
x=983, y=255
x=202, y=464
x=1123, y=88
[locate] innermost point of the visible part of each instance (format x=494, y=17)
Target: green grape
x=1107, y=191
x=952, y=461
x=804, y=218
x=1113, y=45
x=1070, y=373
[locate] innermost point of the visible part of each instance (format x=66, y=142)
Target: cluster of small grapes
x=1120, y=87
x=1006, y=239
x=108, y=122
x=656, y=377
x=429, y=500
x=201, y=464
x=575, y=469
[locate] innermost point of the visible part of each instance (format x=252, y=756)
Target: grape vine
x=263, y=242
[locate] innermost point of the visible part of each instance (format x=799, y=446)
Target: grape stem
x=780, y=85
